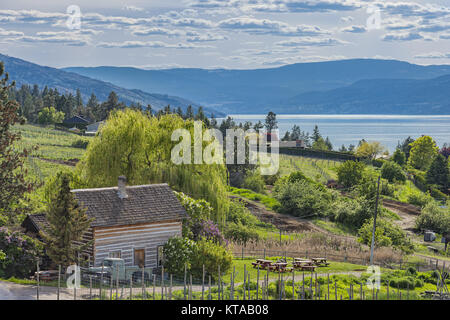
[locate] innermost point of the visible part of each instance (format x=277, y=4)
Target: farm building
x=292, y=144
x=76, y=122
x=130, y=222
x=92, y=129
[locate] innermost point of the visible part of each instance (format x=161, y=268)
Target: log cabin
x=130, y=222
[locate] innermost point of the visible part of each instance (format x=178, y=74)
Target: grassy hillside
x=316, y=169
x=54, y=149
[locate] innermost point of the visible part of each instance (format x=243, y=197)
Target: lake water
x=349, y=129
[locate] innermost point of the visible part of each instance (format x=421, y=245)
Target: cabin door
x=139, y=257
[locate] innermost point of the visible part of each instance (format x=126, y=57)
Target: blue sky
x=224, y=33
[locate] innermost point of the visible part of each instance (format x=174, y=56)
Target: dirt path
x=407, y=221
x=285, y=222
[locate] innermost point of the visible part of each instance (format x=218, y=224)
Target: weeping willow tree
x=139, y=147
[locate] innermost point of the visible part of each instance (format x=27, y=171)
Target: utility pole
x=374, y=222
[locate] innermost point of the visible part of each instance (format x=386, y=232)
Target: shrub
x=350, y=173
x=239, y=214
x=177, y=254
x=209, y=230
x=399, y=157
x=434, y=218
x=240, y=233
x=386, y=234
x=419, y=199
x=270, y=180
x=378, y=163
x=80, y=143
x=211, y=255
x=255, y=182
x=437, y=194
x=403, y=283
x=303, y=199
x=20, y=253
x=198, y=211
x=352, y=213
x=392, y=172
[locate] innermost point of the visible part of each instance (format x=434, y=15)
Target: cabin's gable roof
x=144, y=204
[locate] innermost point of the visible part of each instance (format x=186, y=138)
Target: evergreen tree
x=399, y=157
x=13, y=185
x=328, y=144
x=189, y=112
x=200, y=114
x=213, y=122
x=439, y=172
x=149, y=111
x=112, y=103
x=271, y=121
x=405, y=146
x=296, y=133
x=287, y=136
x=316, y=134
x=258, y=126
x=67, y=224
x=180, y=112
x=79, y=99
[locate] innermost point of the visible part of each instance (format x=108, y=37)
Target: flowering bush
x=210, y=231
x=177, y=255
x=20, y=253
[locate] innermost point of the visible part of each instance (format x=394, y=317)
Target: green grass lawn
x=238, y=265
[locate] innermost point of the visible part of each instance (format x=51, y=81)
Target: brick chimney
x=122, y=183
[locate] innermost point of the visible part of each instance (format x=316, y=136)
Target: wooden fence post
x=131, y=288
x=154, y=286
x=162, y=283
x=257, y=284
x=185, y=273
x=59, y=282
x=203, y=282
x=37, y=279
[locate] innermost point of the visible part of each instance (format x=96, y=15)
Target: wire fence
x=134, y=283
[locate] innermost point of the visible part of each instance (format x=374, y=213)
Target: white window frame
x=111, y=254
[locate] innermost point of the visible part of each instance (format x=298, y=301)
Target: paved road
x=14, y=291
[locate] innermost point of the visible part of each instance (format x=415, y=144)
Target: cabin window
x=139, y=257
x=115, y=254
x=160, y=252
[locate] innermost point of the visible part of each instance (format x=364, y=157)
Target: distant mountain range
x=24, y=72
x=358, y=86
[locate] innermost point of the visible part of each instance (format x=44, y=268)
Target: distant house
x=76, y=121
x=93, y=128
x=130, y=222
x=271, y=136
x=292, y=144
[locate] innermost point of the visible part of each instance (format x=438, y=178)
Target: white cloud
x=147, y=44
x=267, y=26
x=407, y=36
x=133, y=8
x=433, y=55
x=354, y=29
x=309, y=41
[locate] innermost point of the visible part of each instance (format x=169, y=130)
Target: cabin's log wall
x=127, y=238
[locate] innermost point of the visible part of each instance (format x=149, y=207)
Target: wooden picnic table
x=305, y=267
x=320, y=261
x=262, y=264
x=280, y=267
